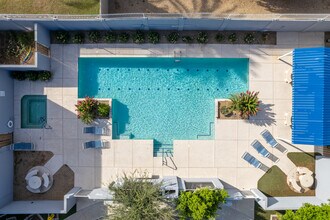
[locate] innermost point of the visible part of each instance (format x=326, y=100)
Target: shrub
x=226, y=110
x=200, y=204
x=103, y=110
x=62, y=37
x=32, y=75
x=123, y=37
x=153, y=37
x=78, y=38
x=19, y=75
x=246, y=103
x=138, y=198
x=202, y=38
x=138, y=37
x=94, y=36
x=265, y=36
x=173, y=37
x=45, y=75
x=249, y=38
x=87, y=110
x=187, y=39
x=232, y=38
x=219, y=37
x=308, y=211
x=110, y=37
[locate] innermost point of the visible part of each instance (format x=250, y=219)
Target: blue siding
x=311, y=96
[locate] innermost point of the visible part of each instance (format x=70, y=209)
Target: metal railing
x=269, y=17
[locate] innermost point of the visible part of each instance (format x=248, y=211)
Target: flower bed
x=90, y=109
x=167, y=37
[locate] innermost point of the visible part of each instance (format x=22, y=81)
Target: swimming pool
x=33, y=111
x=161, y=98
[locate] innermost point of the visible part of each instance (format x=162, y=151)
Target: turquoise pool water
x=160, y=98
x=33, y=111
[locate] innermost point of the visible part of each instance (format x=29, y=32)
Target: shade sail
x=311, y=96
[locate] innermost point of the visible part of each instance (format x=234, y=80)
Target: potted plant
x=19, y=75
x=32, y=75
x=87, y=110
x=173, y=37
x=138, y=37
x=62, y=37
x=246, y=103
x=110, y=37
x=153, y=37
x=78, y=38
x=94, y=36
x=202, y=38
x=123, y=37
x=249, y=38
x=232, y=38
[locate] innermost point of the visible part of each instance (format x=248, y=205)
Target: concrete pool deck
x=193, y=158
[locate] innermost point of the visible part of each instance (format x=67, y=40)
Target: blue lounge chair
x=22, y=146
x=251, y=160
x=95, y=130
x=269, y=138
x=96, y=144
x=260, y=148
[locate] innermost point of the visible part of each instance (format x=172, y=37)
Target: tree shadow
x=265, y=116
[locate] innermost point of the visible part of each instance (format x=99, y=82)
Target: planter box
x=227, y=103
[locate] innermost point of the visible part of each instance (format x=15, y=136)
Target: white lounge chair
x=45, y=178
x=30, y=174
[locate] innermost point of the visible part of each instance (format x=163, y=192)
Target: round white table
x=34, y=182
x=306, y=180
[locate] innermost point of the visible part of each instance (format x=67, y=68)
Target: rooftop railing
x=279, y=17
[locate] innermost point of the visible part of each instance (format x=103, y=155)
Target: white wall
x=6, y=102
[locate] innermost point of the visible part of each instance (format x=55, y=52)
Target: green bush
x=78, y=38
x=202, y=38
x=173, y=37
x=249, y=38
x=32, y=75
x=62, y=37
x=200, y=204
x=103, y=110
x=87, y=110
x=246, y=103
x=110, y=37
x=153, y=37
x=94, y=36
x=232, y=38
x=45, y=75
x=308, y=212
x=219, y=37
x=18, y=75
x=123, y=37
x=187, y=39
x=138, y=37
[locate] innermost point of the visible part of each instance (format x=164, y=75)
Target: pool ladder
x=177, y=57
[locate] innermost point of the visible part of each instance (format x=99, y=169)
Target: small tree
x=246, y=103
x=308, y=212
x=138, y=198
x=201, y=204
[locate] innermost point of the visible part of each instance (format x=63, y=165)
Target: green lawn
x=50, y=6
x=273, y=183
